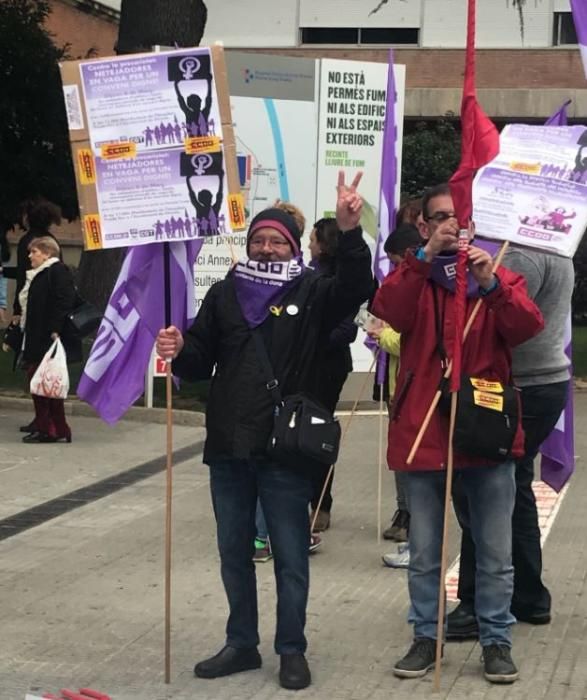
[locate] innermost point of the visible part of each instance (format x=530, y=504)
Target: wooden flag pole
x=380, y=464
x=342, y=439
x=168, y=470
x=426, y=422
x=444, y=552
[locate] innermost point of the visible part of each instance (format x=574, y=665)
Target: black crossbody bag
x=487, y=410
x=303, y=429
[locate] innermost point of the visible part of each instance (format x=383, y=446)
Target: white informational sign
x=534, y=193
x=350, y=137
x=156, y=135
x=275, y=116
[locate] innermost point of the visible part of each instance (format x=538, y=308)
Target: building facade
x=527, y=62
x=90, y=28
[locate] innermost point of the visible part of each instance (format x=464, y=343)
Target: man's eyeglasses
x=272, y=242
x=441, y=216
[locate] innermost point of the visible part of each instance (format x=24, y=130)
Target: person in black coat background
x=37, y=216
x=334, y=358
x=45, y=300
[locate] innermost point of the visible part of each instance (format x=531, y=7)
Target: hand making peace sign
x=349, y=203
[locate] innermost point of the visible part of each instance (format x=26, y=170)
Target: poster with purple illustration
x=162, y=196
x=534, y=193
x=155, y=131
x=155, y=101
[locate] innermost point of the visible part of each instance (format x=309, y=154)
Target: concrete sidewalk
x=81, y=595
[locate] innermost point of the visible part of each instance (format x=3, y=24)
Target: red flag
x=479, y=145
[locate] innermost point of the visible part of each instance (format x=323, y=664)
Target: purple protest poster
x=144, y=115
x=534, y=193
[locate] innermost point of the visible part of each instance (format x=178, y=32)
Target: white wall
x=355, y=13
x=498, y=24
x=250, y=23
x=275, y=23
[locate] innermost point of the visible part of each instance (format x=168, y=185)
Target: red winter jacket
x=507, y=317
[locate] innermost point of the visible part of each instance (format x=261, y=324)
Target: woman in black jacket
x=334, y=358
x=45, y=300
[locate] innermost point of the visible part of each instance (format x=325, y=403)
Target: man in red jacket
x=417, y=300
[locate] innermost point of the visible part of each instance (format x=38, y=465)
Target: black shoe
x=30, y=428
x=399, y=528
x=532, y=618
x=39, y=437
x=461, y=624
x=419, y=660
x=294, y=673
x=499, y=667
x=228, y=661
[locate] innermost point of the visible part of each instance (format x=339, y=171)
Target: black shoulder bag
x=487, y=410
x=303, y=429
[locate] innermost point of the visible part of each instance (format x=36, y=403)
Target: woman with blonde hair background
x=46, y=299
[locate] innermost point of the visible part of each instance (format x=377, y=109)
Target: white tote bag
x=51, y=378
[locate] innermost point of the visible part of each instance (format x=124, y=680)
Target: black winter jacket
x=51, y=297
x=239, y=415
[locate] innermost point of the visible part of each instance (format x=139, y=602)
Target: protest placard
x=534, y=193
x=153, y=147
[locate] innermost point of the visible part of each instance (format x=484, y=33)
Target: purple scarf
x=262, y=285
x=444, y=270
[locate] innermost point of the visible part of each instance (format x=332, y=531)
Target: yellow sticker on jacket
x=485, y=385
x=492, y=401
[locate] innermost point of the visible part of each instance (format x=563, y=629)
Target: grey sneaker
x=498, y=664
x=419, y=660
x=399, y=560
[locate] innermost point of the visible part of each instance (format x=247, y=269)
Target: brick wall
x=84, y=31
x=443, y=68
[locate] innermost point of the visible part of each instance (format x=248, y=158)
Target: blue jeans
x=260, y=523
x=490, y=492
x=283, y=495
x=3, y=291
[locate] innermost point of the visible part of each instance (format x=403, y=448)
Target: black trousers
x=541, y=408
x=329, y=393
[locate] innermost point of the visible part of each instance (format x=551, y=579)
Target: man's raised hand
x=349, y=203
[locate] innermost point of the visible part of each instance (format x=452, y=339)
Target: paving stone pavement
x=81, y=595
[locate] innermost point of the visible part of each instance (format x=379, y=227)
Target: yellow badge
x=86, y=170
x=118, y=151
x=492, y=401
x=485, y=385
x=92, y=231
x=276, y=310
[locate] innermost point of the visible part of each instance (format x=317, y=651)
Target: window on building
x=329, y=35
x=380, y=35
x=358, y=36
x=564, y=29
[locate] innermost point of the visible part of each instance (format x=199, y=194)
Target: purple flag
x=114, y=375
x=579, y=10
x=387, y=203
x=560, y=117
x=558, y=450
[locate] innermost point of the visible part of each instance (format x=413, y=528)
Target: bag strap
x=272, y=383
